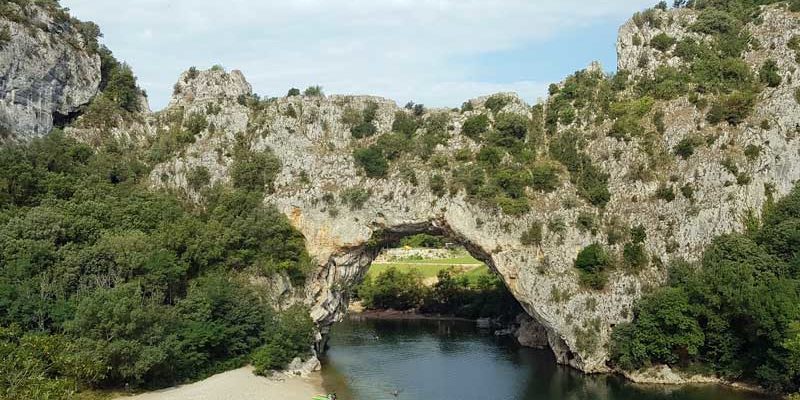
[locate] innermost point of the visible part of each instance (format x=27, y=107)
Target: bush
x=586, y=222
x=512, y=125
x=714, y=21
x=373, y=162
x=769, y=74
x=121, y=87
x=592, y=182
x=198, y=177
x=533, y=235
x=662, y=42
x=475, y=126
x=635, y=256
x=195, y=123
x=686, y=146
x=665, y=192
x=592, y=262
x=314, y=91
x=254, y=171
x=5, y=36
x=733, y=108
x=355, y=197
x=545, y=177
x=438, y=185
x=293, y=92
x=363, y=129
x=497, y=102
x=291, y=337
x=405, y=124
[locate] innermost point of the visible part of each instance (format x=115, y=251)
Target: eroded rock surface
x=46, y=73
x=316, y=148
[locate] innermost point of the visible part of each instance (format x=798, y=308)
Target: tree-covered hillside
x=736, y=313
x=105, y=283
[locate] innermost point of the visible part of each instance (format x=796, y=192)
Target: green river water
x=444, y=360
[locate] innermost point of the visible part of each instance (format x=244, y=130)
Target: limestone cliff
x=48, y=69
x=312, y=137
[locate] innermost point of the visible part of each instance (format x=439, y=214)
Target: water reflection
x=441, y=360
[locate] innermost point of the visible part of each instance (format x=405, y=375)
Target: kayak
x=321, y=397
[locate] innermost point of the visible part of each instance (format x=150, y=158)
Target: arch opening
x=348, y=270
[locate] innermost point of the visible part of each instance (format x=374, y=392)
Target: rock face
x=46, y=73
x=315, y=146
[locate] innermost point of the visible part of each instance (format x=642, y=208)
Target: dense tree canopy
x=105, y=283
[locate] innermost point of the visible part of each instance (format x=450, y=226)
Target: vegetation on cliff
x=735, y=313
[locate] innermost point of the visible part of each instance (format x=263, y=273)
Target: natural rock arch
x=315, y=145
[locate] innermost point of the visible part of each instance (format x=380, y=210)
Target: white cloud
x=401, y=49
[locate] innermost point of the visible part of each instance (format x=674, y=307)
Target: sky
x=436, y=52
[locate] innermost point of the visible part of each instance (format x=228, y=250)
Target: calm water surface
x=443, y=360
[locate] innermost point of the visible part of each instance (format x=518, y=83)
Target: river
x=444, y=360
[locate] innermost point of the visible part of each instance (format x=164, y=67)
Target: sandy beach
x=240, y=384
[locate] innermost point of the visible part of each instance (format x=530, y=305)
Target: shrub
x=438, y=185
x=5, y=36
x=662, y=42
x=769, y=74
x=293, y=92
x=665, y=192
x=686, y=146
x=314, y=91
x=513, y=206
x=497, y=102
x=372, y=160
x=475, y=126
x=363, y=129
x=592, y=262
x=714, y=21
x=638, y=234
x=752, y=152
x=195, y=123
x=512, y=125
x=687, y=191
x=585, y=222
x=635, y=256
x=355, y=197
x=733, y=108
x=289, y=338
x=405, y=124
x=198, y=177
x=533, y=235
x=254, y=170
x=544, y=177
x=121, y=87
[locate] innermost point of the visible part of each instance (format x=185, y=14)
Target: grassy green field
x=429, y=268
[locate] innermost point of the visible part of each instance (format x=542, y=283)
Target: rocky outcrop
x=315, y=146
x=46, y=72
x=530, y=333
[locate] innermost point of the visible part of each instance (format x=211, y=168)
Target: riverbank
x=240, y=384
x=397, y=315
